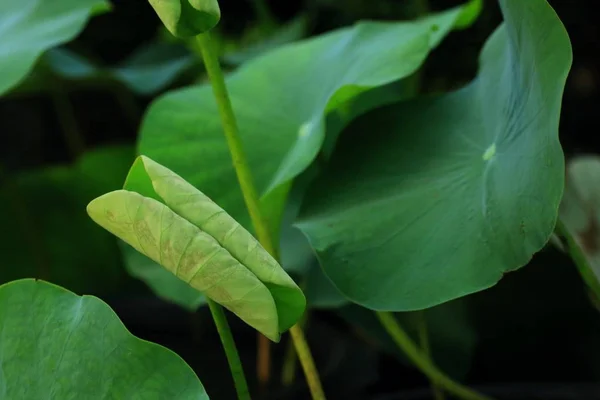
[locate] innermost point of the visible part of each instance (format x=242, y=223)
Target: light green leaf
x=58, y=345
x=429, y=200
x=29, y=27
x=162, y=282
x=187, y=18
x=281, y=105
x=177, y=226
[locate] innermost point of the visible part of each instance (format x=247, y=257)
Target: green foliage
x=280, y=105
x=187, y=18
x=177, y=226
x=30, y=27
x=148, y=70
x=51, y=237
x=445, y=194
x=58, y=345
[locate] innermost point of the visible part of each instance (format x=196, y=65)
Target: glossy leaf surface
x=58, y=345
x=433, y=199
x=174, y=224
x=280, y=105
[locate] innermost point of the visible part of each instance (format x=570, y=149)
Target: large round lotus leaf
x=29, y=27
x=433, y=199
x=57, y=345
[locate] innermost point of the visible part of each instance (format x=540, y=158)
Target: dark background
x=538, y=336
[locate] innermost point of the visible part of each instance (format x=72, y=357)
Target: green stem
x=438, y=394
x=423, y=362
x=230, y=128
x=579, y=258
x=288, y=370
x=68, y=122
x=235, y=365
x=307, y=362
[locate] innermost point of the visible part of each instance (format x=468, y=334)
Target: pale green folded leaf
x=174, y=224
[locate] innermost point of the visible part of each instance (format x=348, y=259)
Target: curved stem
x=579, y=258
x=438, y=394
x=307, y=362
x=68, y=122
x=230, y=128
x=233, y=358
x=422, y=362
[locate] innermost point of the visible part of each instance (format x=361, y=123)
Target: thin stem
x=68, y=122
x=307, y=362
x=213, y=69
x=422, y=362
x=288, y=371
x=579, y=258
x=438, y=394
x=263, y=361
x=230, y=128
x=233, y=358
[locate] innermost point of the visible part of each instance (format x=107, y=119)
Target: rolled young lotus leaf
x=173, y=223
x=186, y=18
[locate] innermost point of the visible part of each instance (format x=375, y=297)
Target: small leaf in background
x=177, y=226
x=50, y=235
x=428, y=200
x=29, y=27
x=187, y=18
x=580, y=207
x=280, y=106
x=153, y=67
x=150, y=69
x=58, y=345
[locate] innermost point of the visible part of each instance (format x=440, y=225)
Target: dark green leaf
x=433, y=199
x=58, y=345
x=51, y=236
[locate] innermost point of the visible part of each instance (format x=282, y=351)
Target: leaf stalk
x=250, y=194
x=424, y=363
x=233, y=358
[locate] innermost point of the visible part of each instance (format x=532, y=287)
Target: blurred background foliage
x=68, y=134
